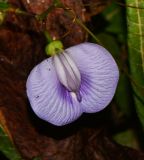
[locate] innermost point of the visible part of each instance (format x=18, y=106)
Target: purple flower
x=81, y=79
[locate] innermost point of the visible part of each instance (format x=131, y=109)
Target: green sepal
x=54, y=47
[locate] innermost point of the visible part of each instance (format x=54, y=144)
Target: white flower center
x=68, y=73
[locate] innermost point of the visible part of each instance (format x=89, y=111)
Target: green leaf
x=6, y=146
x=127, y=138
x=135, y=22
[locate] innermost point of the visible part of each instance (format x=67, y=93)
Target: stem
x=78, y=21
x=18, y=11
x=48, y=37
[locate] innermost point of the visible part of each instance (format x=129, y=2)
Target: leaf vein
x=140, y=31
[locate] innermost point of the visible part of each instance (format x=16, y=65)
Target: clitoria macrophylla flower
x=81, y=79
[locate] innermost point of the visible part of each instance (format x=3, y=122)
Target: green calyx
x=54, y=47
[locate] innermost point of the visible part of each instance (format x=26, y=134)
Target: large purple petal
x=99, y=74
x=48, y=98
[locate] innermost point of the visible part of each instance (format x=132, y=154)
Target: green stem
x=78, y=21
x=48, y=37
x=18, y=11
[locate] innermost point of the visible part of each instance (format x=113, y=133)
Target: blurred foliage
x=4, y=5
x=127, y=138
x=6, y=146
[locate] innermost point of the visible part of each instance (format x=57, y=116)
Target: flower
x=81, y=79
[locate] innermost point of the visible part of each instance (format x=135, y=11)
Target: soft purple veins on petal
x=99, y=74
x=48, y=98
x=82, y=79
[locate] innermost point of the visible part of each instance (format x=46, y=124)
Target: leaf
x=7, y=147
x=127, y=138
x=135, y=22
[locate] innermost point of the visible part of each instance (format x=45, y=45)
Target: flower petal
x=74, y=67
x=67, y=72
x=60, y=70
x=99, y=74
x=48, y=98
